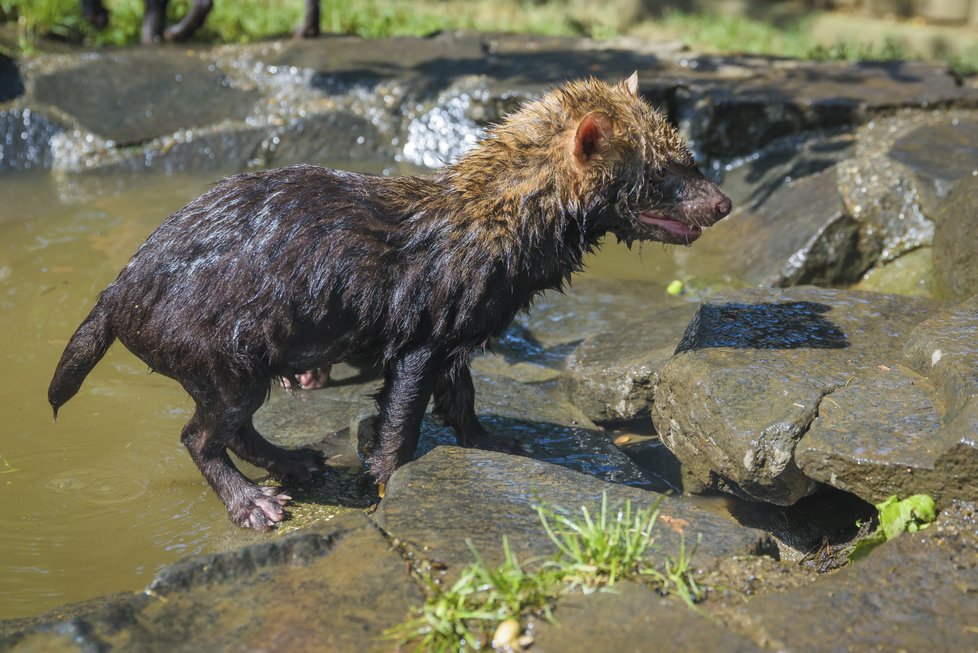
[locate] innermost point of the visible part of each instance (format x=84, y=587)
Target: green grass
x=593, y=552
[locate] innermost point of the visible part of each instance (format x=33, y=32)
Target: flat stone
x=905, y=430
x=434, y=504
x=627, y=619
x=750, y=376
x=558, y=322
x=918, y=592
x=334, y=589
x=955, y=233
x=610, y=375
x=133, y=96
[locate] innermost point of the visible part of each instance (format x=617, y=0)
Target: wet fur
x=273, y=273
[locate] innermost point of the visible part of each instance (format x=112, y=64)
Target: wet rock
x=25, y=137
x=225, y=148
x=754, y=370
x=911, y=274
x=627, y=619
x=589, y=307
x=336, y=588
x=801, y=233
x=11, y=84
x=135, y=96
x=435, y=503
x=915, y=593
x=737, y=117
x=955, y=235
x=610, y=375
x=889, y=432
x=940, y=156
x=326, y=139
x=904, y=166
x=548, y=428
x=750, y=180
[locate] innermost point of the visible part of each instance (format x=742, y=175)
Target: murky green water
x=99, y=501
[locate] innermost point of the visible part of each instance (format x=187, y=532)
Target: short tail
x=84, y=351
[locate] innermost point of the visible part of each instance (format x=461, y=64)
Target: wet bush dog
x=273, y=273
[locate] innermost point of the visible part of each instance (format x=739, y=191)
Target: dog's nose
x=723, y=207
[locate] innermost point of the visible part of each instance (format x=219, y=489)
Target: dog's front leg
x=407, y=388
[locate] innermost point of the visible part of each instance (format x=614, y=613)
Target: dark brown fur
x=273, y=273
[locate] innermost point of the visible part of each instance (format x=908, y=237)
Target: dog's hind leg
x=207, y=436
x=297, y=465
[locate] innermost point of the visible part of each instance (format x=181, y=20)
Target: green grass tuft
x=595, y=551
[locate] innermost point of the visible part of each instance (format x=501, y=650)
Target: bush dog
x=273, y=273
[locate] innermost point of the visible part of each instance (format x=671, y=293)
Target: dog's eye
x=657, y=173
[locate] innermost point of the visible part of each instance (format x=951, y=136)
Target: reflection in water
x=99, y=501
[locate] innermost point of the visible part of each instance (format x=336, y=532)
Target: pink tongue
x=673, y=226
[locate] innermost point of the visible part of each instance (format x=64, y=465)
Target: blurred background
x=941, y=30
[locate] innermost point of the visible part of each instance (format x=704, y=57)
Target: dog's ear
x=631, y=84
x=594, y=133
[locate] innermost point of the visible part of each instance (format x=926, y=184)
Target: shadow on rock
x=783, y=325
x=818, y=527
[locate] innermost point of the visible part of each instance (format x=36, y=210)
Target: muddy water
x=99, y=501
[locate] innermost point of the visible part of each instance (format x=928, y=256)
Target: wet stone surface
x=629, y=619
x=916, y=593
x=894, y=184
x=163, y=91
x=451, y=85
x=434, y=504
x=304, y=592
x=755, y=371
x=799, y=234
x=955, y=234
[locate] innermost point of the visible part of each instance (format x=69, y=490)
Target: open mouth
x=671, y=225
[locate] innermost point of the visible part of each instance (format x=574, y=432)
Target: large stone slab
x=629, y=619
x=436, y=503
x=916, y=593
x=905, y=430
x=335, y=589
x=754, y=370
x=955, y=235
x=133, y=96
